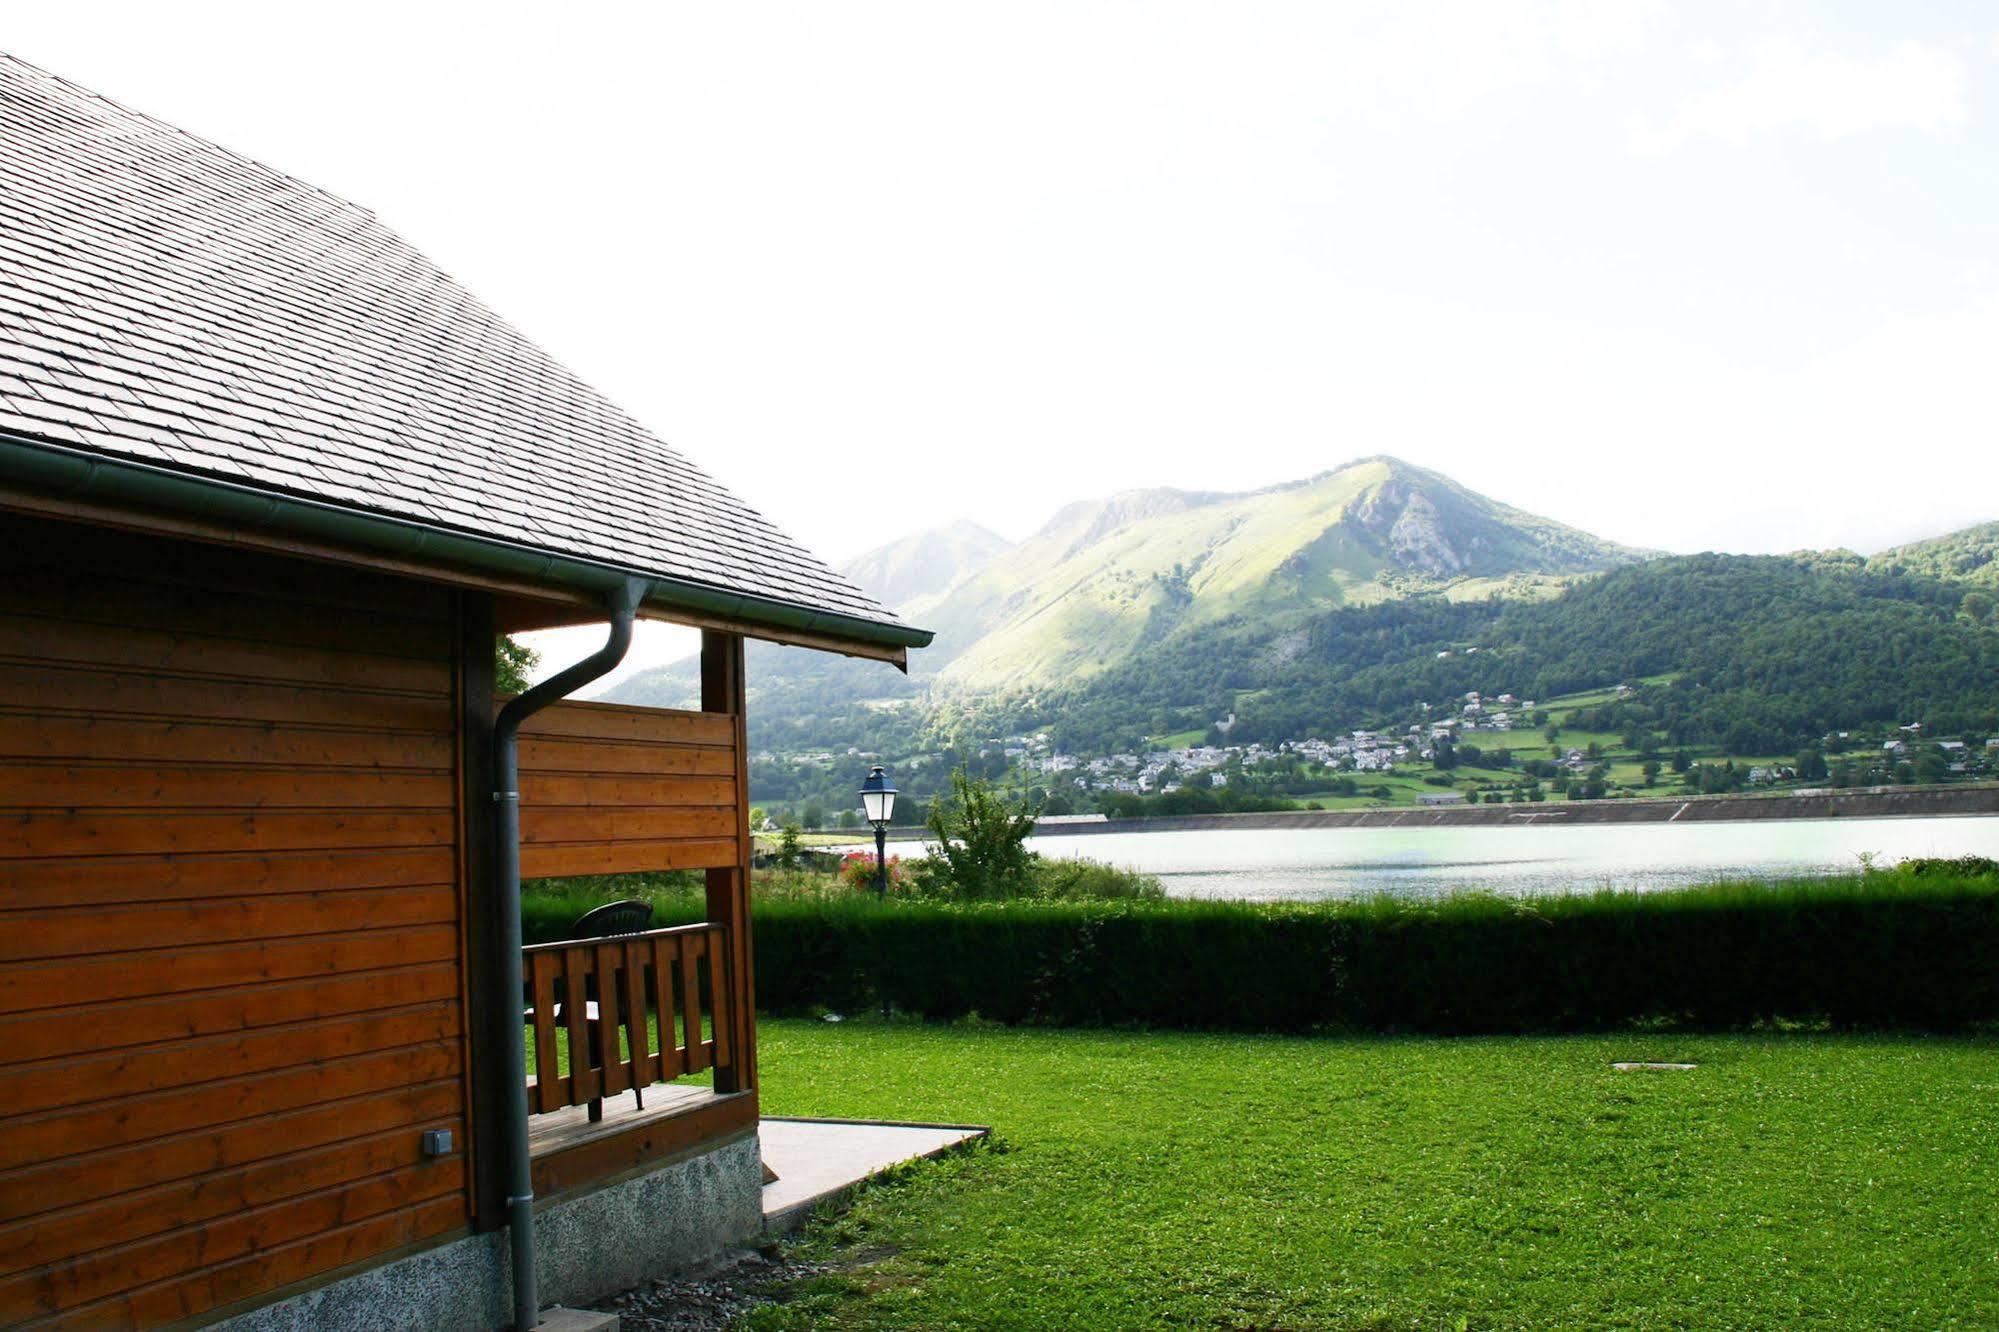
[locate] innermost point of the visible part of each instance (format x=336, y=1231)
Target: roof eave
x=49, y=467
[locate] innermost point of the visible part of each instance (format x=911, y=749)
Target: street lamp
x=878, y=806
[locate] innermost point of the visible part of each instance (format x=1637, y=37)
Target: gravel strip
x=710, y=1297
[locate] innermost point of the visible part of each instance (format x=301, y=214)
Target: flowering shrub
x=857, y=871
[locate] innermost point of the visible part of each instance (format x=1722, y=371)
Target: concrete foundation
x=590, y=1246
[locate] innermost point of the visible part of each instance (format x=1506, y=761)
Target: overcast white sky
x=1707, y=276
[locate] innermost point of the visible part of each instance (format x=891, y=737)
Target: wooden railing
x=592, y=997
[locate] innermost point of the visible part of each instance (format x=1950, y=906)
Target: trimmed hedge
x=1881, y=949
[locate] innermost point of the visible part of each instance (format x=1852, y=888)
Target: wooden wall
x=231, y=981
x=608, y=789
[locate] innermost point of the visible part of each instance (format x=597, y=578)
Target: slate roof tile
x=166, y=300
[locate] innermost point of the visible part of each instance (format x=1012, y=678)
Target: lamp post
x=878, y=806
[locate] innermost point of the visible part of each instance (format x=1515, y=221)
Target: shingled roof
x=167, y=303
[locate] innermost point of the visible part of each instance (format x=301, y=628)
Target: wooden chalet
x=270, y=485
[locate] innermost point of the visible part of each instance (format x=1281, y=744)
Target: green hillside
x=1764, y=654
x=1971, y=555
x=1107, y=582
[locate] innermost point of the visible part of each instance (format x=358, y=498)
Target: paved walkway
x=817, y=1159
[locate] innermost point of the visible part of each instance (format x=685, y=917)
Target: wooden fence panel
x=610, y=789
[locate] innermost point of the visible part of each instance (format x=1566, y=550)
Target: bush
x=979, y=850
x=1886, y=948
x=679, y=897
x=550, y=906
x=1091, y=880
x=1958, y=866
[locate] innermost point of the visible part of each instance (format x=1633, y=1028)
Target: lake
x=1309, y=863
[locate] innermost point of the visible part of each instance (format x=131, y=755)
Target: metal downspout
x=506, y=1008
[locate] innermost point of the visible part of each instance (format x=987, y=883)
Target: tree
x=1978, y=605
x=1810, y=764
x=789, y=846
x=813, y=815
x=512, y=663
x=1650, y=770
x=1444, y=754
x=979, y=848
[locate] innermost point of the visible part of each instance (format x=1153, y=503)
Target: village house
x=271, y=484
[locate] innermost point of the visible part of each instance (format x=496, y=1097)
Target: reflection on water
x=1308, y=863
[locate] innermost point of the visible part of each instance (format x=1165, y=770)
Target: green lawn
x=1153, y=1180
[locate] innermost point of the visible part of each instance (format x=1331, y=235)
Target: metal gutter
x=505, y=1003
x=69, y=471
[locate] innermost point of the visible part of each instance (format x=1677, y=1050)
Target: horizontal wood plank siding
x=231, y=957
x=608, y=789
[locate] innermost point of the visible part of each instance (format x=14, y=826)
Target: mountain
x=1144, y=580
x=908, y=574
x=1372, y=595
x=1970, y=556
x=911, y=572
x=1109, y=579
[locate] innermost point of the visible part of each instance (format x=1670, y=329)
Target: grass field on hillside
x=1178, y=1180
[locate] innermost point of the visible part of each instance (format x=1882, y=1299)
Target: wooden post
x=722, y=690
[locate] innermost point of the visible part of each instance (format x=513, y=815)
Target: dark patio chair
x=613, y=918
x=605, y=922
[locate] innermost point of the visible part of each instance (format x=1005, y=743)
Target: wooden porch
x=620, y=1029
x=571, y=1152
x=640, y=1046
